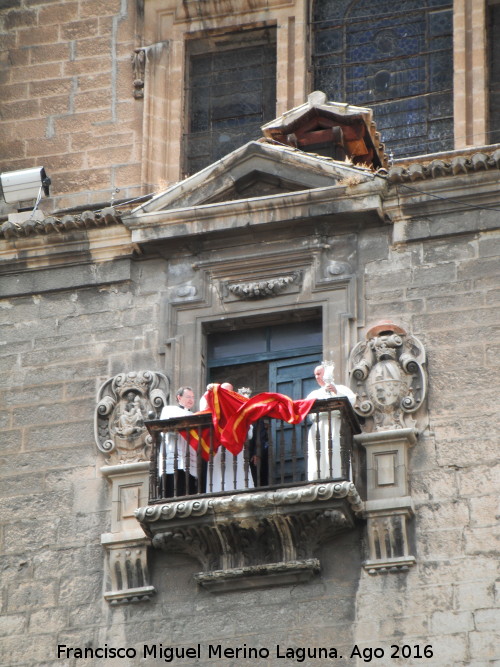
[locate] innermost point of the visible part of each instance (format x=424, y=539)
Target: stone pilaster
x=388, y=507
x=126, y=545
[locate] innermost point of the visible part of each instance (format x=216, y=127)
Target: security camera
x=24, y=184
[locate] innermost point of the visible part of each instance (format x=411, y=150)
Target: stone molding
x=246, y=502
x=123, y=403
x=445, y=164
x=259, y=576
x=261, y=538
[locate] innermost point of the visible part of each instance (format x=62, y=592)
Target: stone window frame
x=167, y=27
x=470, y=82
x=213, y=44
x=493, y=131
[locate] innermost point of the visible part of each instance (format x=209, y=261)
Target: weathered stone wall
x=68, y=97
x=446, y=292
x=68, y=103
x=59, y=347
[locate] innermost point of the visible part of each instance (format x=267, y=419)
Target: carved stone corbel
x=388, y=507
x=125, y=545
x=139, y=68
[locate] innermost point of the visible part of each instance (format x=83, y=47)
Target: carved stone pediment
x=388, y=375
x=257, y=169
x=123, y=403
x=250, y=539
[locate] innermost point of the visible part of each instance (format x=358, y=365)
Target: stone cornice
x=42, y=225
x=337, y=200
x=455, y=163
x=249, y=502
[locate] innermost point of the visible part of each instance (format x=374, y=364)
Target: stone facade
x=86, y=299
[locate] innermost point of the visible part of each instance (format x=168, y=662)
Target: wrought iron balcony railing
x=276, y=454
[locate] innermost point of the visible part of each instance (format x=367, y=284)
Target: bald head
x=319, y=371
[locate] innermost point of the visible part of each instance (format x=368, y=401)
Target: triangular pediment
x=257, y=169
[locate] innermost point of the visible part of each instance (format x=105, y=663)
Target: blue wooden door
x=294, y=378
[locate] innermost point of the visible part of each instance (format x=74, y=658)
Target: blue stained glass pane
x=440, y=44
x=326, y=10
x=369, y=8
x=439, y=129
x=330, y=59
x=231, y=94
x=329, y=80
x=441, y=71
x=328, y=41
x=200, y=66
x=440, y=23
x=441, y=105
x=395, y=58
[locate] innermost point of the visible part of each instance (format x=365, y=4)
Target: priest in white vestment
x=327, y=389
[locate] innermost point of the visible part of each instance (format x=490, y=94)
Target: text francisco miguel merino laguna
x=211, y=651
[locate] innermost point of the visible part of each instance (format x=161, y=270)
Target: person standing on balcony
x=228, y=470
x=258, y=447
x=175, y=452
x=327, y=389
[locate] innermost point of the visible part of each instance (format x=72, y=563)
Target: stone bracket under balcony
x=253, y=539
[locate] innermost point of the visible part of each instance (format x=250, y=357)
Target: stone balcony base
x=251, y=539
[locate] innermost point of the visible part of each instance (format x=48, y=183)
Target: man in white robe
x=227, y=467
x=172, y=444
x=327, y=389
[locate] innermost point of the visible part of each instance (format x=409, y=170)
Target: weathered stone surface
x=71, y=320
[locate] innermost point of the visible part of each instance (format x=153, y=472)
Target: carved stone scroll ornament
x=388, y=375
x=139, y=68
x=261, y=289
x=123, y=403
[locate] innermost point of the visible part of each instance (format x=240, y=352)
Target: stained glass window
x=231, y=92
x=396, y=58
x=494, y=70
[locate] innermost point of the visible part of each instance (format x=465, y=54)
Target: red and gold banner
x=232, y=415
x=266, y=404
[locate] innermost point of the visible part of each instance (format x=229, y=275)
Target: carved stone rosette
x=388, y=375
x=123, y=403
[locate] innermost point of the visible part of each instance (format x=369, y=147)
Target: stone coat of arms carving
x=123, y=403
x=388, y=375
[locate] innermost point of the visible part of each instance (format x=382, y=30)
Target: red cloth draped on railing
x=233, y=413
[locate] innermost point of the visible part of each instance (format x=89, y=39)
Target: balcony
x=258, y=518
